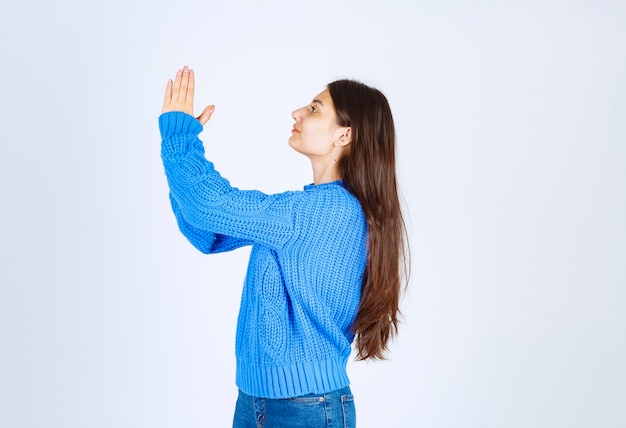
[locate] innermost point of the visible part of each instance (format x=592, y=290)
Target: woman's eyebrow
x=318, y=101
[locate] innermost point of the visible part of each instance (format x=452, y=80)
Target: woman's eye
x=313, y=109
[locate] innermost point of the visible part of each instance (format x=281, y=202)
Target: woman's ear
x=344, y=136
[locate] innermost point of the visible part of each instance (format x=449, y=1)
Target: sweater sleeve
x=204, y=241
x=205, y=203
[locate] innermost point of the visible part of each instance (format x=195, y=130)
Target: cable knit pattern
x=303, y=284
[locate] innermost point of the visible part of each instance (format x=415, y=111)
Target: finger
x=176, y=87
x=168, y=94
x=206, y=114
x=184, y=84
x=191, y=88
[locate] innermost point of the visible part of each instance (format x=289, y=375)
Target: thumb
x=206, y=114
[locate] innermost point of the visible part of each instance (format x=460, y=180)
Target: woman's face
x=315, y=132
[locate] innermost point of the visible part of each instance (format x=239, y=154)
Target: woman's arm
x=204, y=241
x=205, y=200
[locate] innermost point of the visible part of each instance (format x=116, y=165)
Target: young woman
x=326, y=262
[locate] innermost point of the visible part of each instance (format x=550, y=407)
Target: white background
x=511, y=122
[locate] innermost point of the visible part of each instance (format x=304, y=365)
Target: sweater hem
x=292, y=380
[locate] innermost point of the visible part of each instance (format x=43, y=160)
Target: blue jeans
x=333, y=409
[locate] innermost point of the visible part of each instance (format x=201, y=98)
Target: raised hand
x=179, y=96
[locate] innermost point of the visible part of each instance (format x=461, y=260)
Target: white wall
x=512, y=155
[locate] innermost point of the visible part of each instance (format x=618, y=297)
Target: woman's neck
x=325, y=173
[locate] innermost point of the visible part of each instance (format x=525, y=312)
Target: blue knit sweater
x=303, y=285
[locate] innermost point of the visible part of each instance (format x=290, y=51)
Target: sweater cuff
x=178, y=123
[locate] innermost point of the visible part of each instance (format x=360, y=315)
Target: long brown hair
x=369, y=171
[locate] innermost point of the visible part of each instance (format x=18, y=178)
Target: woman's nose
x=297, y=114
